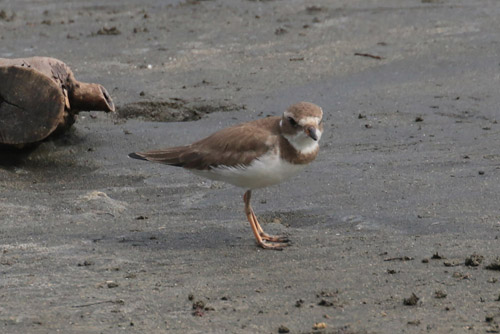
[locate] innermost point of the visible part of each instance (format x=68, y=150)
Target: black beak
x=311, y=132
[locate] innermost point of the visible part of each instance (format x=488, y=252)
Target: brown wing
x=232, y=146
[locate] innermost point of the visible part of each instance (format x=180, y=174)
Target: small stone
x=419, y=119
x=283, y=329
x=426, y=260
x=319, y=325
x=112, y=284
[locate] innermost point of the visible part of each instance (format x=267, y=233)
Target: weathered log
x=40, y=96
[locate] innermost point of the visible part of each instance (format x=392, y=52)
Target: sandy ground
x=403, y=198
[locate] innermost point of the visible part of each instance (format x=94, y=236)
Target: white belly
x=263, y=172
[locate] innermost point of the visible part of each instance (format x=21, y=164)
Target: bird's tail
x=170, y=156
x=136, y=156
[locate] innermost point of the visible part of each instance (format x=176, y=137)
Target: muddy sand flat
x=395, y=226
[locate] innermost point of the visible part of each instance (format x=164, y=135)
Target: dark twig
x=368, y=55
x=118, y=301
x=399, y=258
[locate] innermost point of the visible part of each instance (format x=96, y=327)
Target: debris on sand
x=436, y=256
x=461, y=275
x=411, y=301
x=451, y=263
x=326, y=303
x=85, y=263
x=299, y=303
x=280, y=31
x=494, y=265
x=283, y=329
x=440, y=294
x=328, y=298
x=198, y=308
x=5, y=17
x=474, y=260
x=199, y=304
x=369, y=55
x=399, y=258
x=112, y=284
x=108, y=31
x=328, y=293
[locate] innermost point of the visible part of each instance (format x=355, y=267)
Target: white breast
x=268, y=170
x=303, y=143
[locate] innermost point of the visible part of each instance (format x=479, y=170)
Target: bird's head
x=302, y=125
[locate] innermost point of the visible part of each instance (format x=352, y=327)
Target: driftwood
x=40, y=96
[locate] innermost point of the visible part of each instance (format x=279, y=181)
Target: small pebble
x=112, y=284
x=283, y=329
x=319, y=325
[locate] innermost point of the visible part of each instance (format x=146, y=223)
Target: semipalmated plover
x=252, y=155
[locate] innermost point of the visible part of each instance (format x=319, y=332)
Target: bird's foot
x=274, y=238
x=272, y=245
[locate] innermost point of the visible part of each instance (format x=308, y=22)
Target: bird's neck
x=298, y=150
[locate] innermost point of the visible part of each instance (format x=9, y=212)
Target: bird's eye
x=292, y=121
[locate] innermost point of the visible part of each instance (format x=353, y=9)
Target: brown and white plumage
x=252, y=155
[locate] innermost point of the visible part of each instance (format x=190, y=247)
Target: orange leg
x=265, y=236
x=260, y=236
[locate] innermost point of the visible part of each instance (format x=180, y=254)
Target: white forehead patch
x=303, y=121
x=309, y=120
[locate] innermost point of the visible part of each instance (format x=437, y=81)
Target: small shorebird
x=252, y=155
